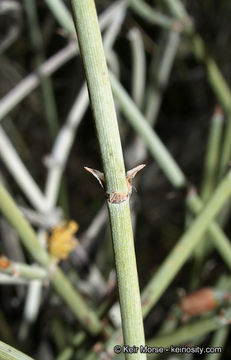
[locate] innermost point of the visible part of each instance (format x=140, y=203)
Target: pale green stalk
x=10, y=280
x=159, y=76
x=30, y=82
x=59, y=281
x=28, y=272
x=62, y=14
x=177, y=9
x=220, y=240
x=219, y=339
x=91, y=48
x=50, y=108
x=7, y=352
x=66, y=354
x=138, y=122
x=189, y=332
x=138, y=66
x=165, y=161
x=215, y=78
x=212, y=159
x=226, y=149
x=212, y=155
x=185, y=246
x=155, y=17
x=46, y=85
x=154, y=144
x=12, y=161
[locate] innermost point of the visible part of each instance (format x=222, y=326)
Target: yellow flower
x=61, y=242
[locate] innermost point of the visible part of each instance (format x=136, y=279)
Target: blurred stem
x=226, y=149
x=215, y=78
x=154, y=144
x=63, y=197
x=10, y=280
x=90, y=42
x=148, y=13
x=7, y=352
x=78, y=339
x=5, y=330
x=66, y=354
x=62, y=145
x=212, y=155
x=18, y=140
x=185, y=246
x=59, y=333
x=30, y=82
x=177, y=9
x=181, y=252
x=159, y=76
x=218, y=340
x=189, y=332
x=221, y=242
x=22, y=227
x=28, y=272
x=165, y=161
x=21, y=174
x=62, y=14
x=60, y=282
x=208, y=184
x=46, y=85
x=113, y=30
x=138, y=66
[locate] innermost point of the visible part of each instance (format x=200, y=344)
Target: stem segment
x=91, y=48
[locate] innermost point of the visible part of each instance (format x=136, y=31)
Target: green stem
x=215, y=78
x=159, y=76
x=154, y=144
x=60, y=282
x=212, y=159
x=218, y=340
x=192, y=331
x=50, y=108
x=61, y=14
x=185, y=246
x=226, y=150
x=46, y=85
x=165, y=161
x=177, y=9
x=28, y=272
x=212, y=155
x=7, y=352
x=147, y=12
x=91, y=48
x=138, y=66
x=66, y=354
x=220, y=240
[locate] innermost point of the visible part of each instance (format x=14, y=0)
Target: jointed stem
x=91, y=48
